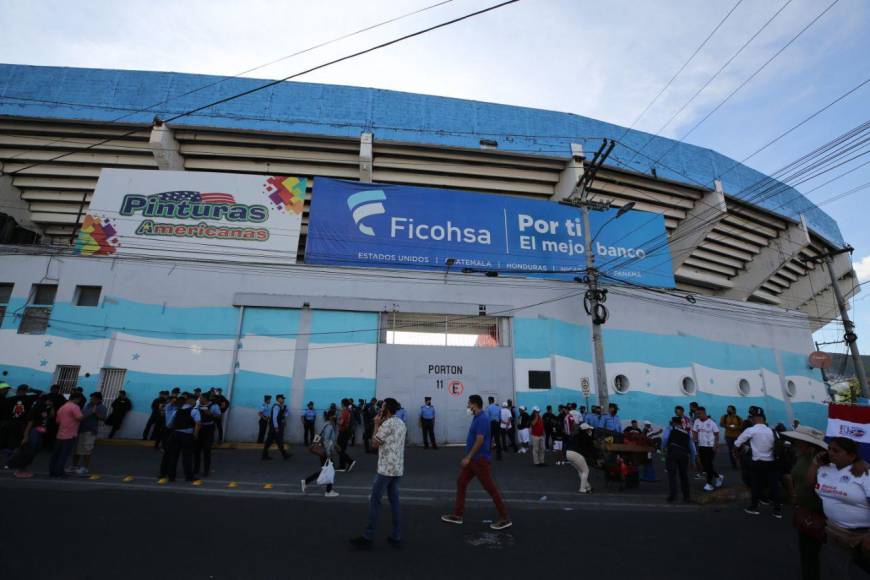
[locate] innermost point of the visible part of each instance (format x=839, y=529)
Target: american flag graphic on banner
x=197, y=197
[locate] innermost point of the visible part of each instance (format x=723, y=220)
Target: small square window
x=35, y=320
x=87, y=295
x=539, y=379
x=43, y=294
x=5, y=293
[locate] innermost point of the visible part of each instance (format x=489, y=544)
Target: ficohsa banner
x=393, y=226
x=194, y=215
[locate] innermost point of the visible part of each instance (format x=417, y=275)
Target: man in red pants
x=476, y=463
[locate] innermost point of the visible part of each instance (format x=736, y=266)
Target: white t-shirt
x=760, y=438
x=844, y=496
x=506, y=418
x=706, y=431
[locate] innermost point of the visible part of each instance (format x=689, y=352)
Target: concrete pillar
x=699, y=222
x=569, y=176
x=778, y=252
x=365, y=157
x=165, y=148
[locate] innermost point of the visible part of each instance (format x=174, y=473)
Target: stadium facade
x=149, y=280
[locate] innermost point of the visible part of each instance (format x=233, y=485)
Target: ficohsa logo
x=365, y=204
x=852, y=432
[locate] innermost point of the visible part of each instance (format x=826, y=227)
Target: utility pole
x=850, y=337
x=593, y=301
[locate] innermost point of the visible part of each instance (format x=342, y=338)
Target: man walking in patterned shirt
x=389, y=440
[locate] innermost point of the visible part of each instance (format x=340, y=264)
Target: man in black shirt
x=120, y=407
x=549, y=417
x=13, y=418
x=154, y=419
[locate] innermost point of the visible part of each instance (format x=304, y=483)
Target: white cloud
x=862, y=268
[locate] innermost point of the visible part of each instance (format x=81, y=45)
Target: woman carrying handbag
x=323, y=447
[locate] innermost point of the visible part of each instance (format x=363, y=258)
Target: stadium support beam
x=165, y=148
x=823, y=307
x=365, y=157
x=813, y=282
x=570, y=176
x=12, y=205
x=699, y=221
x=774, y=256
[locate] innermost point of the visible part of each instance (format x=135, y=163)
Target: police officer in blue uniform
x=427, y=422
x=207, y=411
x=263, y=414
x=277, y=419
x=309, y=416
x=180, y=423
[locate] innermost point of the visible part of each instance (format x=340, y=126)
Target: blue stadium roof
x=341, y=111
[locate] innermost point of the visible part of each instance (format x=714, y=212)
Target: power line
x=715, y=75
x=680, y=70
x=296, y=75
x=134, y=111
x=753, y=75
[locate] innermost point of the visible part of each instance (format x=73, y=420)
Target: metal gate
x=111, y=382
x=67, y=376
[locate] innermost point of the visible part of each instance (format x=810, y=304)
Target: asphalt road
x=85, y=529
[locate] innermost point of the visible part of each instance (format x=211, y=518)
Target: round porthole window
x=688, y=386
x=744, y=387
x=620, y=384
x=791, y=389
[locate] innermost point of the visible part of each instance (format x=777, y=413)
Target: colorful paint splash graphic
x=97, y=237
x=286, y=193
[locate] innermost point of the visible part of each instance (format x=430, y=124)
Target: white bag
x=327, y=474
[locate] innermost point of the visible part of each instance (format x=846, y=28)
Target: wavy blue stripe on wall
x=334, y=326
x=797, y=364
x=333, y=390
x=14, y=308
x=672, y=351
x=541, y=337
x=250, y=387
x=283, y=322
x=140, y=319
x=659, y=409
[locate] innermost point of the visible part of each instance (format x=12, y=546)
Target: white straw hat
x=808, y=435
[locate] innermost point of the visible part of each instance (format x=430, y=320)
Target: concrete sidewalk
x=429, y=475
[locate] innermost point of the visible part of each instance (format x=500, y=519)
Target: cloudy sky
x=600, y=59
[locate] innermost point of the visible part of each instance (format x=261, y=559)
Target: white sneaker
x=700, y=475
x=720, y=480
x=304, y=485
x=708, y=487
x=82, y=471
x=332, y=493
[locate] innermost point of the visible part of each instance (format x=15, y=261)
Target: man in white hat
x=576, y=443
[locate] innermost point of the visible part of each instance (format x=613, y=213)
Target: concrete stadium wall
x=175, y=325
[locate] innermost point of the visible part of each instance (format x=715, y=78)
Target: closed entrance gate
x=448, y=375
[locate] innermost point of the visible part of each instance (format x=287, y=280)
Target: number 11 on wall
x=439, y=384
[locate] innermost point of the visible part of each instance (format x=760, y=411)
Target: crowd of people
x=827, y=481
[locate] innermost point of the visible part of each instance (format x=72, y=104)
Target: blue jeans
x=392, y=486
x=62, y=451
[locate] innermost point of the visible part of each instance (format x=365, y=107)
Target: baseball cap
x=4, y=385
x=536, y=408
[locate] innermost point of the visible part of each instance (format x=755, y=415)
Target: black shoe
x=394, y=542
x=361, y=543
x=777, y=513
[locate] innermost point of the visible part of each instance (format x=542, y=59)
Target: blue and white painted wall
x=314, y=336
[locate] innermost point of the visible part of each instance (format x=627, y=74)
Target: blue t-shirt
x=479, y=426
